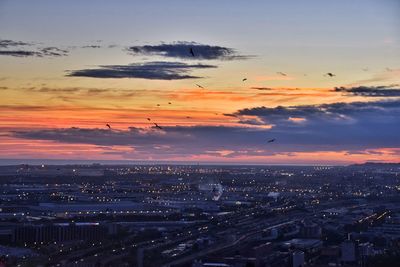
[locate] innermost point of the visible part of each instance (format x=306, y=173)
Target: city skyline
x=220, y=79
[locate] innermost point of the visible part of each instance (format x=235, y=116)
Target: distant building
x=391, y=229
x=366, y=249
x=262, y=251
x=197, y=263
x=58, y=232
x=298, y=258
x=310, y=230
x=348, y=251
x=310, y=245
x=334, y=212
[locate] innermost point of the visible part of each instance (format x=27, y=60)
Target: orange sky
x=69, y=107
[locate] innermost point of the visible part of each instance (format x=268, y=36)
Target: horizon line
x=9, y=162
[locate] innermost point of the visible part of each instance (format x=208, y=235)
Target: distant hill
x=377, y=165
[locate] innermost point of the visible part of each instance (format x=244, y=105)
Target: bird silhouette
x=198, y=85
x=191, y=52
x=365, y=69
x=281, y=73
x=108, y=125
x=148, y=119
x=244, y=79
x=169, y=103
x=330, y=74
x=271, y=140
x=389, y=69
x=157, y=126
x=188, y=117
x=158, y=105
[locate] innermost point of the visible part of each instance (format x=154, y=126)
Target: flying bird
x=157, y=126
x=188, y=117
x=148, y=119
x=330, y=74
x=365, y=69
x=271, y=140
x=108, y=125
x=191, y=52
x=169, y=103
x=198, y=85
x=389, y=69
x=244, y=79
x=158, y=105
x=281, y=73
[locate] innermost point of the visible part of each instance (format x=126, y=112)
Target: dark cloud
x=43, y=52
x=54, y=90
x=74, y=93
x=148, y=70
x=230, y=115
x=176, y=140
x=12, y=49
x=371, y=91
x=336, y=112
x=11, y=43
x=19, y=53
x=91, y=46
x=53, y=52
x=338, y=126
x=261, y=88
x=182, y=50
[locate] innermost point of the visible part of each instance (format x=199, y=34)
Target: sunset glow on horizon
x=258, y=71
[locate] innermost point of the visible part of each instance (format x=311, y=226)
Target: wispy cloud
x=52, y=52
x=91, y=46
x=386, y=76
x=262, y=88
x=17, y=49
x=19, y=53
x=148, y=70
x=11, y=43
x=370, y=91
x=276, y=77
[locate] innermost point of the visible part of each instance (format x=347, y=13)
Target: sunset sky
x=68, y=68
